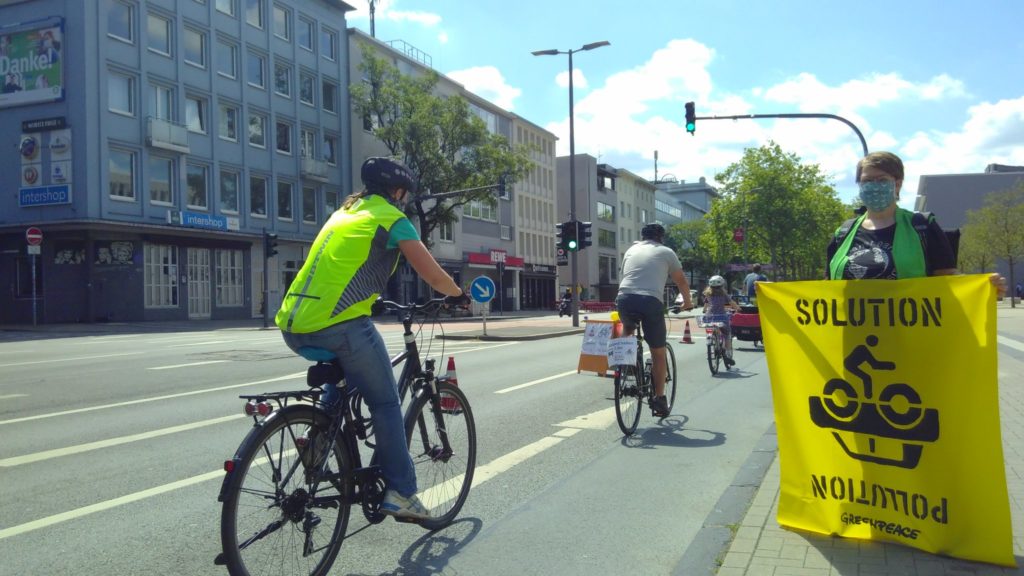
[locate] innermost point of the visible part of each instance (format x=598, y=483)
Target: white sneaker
x=401, y=507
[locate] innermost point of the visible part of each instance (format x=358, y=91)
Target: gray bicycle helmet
x=384, y=174
x=716, y=281
x=652, y=232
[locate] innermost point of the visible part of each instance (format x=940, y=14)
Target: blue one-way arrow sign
x=482, y=289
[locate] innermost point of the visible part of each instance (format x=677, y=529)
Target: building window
x=161, y=102
x=122, y=174
x=195, y=114
x=254, y=12
x=226, y=6
x=257, y=130
x=480, y=211
x=121, y=93
x=606, y=238
x=197, y=186
x=282, y=22
x=258, y=196
x=328, y=43
x=307, y=88
x=283, y=79
x=330, y=96
x=446, y=231
x=161, y=177
x=304, y=32
x=331, y=150
x=229, y=191
x=227, y=59
x=25, y=288
x=606, y=269
x=257, y=68
x=506, y=232
x=308, y=205
x=284, y=200
x=159, y=32
x=605, y=212
x=230, y=283
x=195, y=48
x=330, y=202
x=229, y=122
x=307, y=144
x=283, y=138
x=161, y=275
x=121, y=22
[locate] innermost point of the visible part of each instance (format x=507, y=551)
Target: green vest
x=347, y=268
x=907, y=252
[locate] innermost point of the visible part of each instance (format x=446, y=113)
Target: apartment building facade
x=156, y=141
x=512, y=241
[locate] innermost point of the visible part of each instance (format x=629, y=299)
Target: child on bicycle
x=328, y=305
x=716, y=302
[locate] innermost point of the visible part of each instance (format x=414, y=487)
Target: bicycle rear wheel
x=444, y=475
x=671, y=378
x=628, y=399
x=286, y=502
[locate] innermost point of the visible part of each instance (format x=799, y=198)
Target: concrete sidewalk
x=762, y=548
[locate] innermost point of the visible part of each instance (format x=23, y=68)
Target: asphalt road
x=113, y=445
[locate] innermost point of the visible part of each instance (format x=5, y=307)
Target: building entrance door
x=199, y=283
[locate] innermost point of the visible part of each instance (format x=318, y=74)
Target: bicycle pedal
x=406, y=520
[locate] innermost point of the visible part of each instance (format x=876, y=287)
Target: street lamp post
x=572, y=166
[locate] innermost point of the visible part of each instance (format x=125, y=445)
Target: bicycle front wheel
x=713, y=357
x=628, y=399
x=286, y=502
x=442, y=443
x=671, y=378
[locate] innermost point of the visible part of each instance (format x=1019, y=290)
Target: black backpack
x=920, y=221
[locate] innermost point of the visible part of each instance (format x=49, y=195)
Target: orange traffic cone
x=448, y=403
x=687, y=339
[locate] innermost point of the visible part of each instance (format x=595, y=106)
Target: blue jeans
x=367, y=367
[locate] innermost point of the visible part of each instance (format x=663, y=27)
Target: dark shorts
x=652, y=313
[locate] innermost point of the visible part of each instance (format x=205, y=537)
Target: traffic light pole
x=574, y=274
x=863, y=142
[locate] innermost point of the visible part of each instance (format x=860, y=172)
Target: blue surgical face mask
x=878, y=195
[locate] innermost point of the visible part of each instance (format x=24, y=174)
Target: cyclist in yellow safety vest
x=328, y=305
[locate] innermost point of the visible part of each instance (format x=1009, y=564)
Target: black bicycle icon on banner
x=889, y=430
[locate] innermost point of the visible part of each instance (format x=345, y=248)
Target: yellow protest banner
x=887, y=412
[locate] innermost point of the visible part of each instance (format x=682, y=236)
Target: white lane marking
x=186, y=365
x=542, y=380
x=67, y=451
x=201, y=343
x=9, y=396
x=481, y=474
x=595, y=420
x=1010, y=343
x=51, y=360
x=153, y=399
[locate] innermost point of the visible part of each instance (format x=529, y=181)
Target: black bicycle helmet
x=384, y=174
x=652, y=232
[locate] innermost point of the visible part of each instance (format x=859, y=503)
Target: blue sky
x=939, y=82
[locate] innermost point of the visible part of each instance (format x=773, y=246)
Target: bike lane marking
x=72, y=359
x=541, y=380
x=1009, y=342
x=186, y=365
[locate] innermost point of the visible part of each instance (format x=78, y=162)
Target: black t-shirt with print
x=870, y=255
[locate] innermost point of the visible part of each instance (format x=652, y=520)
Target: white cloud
x=442, y=37
x=488, y=83
x=424, y=18
x=579, y=81
x=809, y=94
x=386, y=9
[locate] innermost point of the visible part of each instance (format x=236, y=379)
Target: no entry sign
x=34, y=236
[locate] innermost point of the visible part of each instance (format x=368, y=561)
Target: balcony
x=167, y=135
x=314, y=169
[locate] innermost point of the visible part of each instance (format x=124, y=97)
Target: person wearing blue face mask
x=888, y=242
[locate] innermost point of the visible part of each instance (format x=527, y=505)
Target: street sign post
x=34, y=237
x=482, y=290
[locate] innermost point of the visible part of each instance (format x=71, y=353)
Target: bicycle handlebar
x=413, y=307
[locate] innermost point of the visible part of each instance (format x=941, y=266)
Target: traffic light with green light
x=570, y=235
x=691, y=118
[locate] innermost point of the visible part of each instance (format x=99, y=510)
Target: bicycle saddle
x=327, y=369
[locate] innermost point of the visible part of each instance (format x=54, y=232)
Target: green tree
x=974, y=254
x=685, y=239
x=998, y=227
x=439, y=138
x=789, y=211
